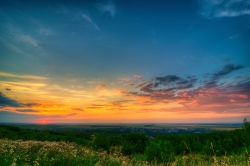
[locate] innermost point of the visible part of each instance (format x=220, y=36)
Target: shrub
x=246, y=125
x=161, y=151
x=101, y=141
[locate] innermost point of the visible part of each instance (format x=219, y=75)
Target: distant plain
x=215, y=126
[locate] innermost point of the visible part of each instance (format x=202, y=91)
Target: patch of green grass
x=15, y=153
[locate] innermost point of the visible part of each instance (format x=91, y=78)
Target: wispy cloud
x=88, y=19
x=46, y=32
x=226, y=70
x=22, y=41
x=40, y=27
x=13, y=47
x=5, y=74
x=130, y=84
x=234, y=36
x=109, y=8
x=224, y=8
x=100, y=87
x=68, y=115
x=27, y=39
x=137, y=76
x=26, y=110
x=16, y=34
x=78, y=109
x=215, y=77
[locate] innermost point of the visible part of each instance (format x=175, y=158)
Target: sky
x=124, y=61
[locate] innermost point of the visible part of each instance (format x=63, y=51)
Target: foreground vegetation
x=29, y=147
x=61, y=153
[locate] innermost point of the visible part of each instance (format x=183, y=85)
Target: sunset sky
x=124, y=61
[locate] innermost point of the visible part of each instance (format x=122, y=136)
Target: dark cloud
x=77, y=109
x=242, y=87
x=213, y=78
x=168, y=83
x=67, y=115
x=27, y=110
x=226, y=70
x=71, y=114
x=8, y=89
x=168, y=79
x=211, y=94
x=6, y=101
x=31, y=104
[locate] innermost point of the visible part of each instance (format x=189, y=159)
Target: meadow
x=14, y=153
x=20, y=146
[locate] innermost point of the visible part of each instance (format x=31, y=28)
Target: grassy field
x=15, y=153
x=225, y=128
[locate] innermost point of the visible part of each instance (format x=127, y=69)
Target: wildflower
x=13, y=164
x=36, y=163
x=124, y=162
x=11, y=151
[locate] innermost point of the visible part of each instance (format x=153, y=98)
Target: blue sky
x=143, y=54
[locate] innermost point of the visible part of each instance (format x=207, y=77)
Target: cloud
x=129, y=84
x=124, y=79
x=22, y=76
x=68, y=115
x=137, y=76
x=88, y=19
x=8, y=89
x=6, y=101
x=234, y=36
x=26, y=110
x=220, y=99
x=227, y=69
x=77, y=109
x=27, y=39
x=121, y=102
x=140, y=83
x=21, y=41
x=224, y=8
x=107, y=8
x=167, y=84
x=212, y=94
x=13, y=47
x=100, y=87
x=46, y=32
x=31, y=104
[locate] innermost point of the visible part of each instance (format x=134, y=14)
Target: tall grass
x=35, y=153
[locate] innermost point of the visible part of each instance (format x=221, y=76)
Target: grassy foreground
x=18, y=152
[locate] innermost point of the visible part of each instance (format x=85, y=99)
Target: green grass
x=47, y=153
